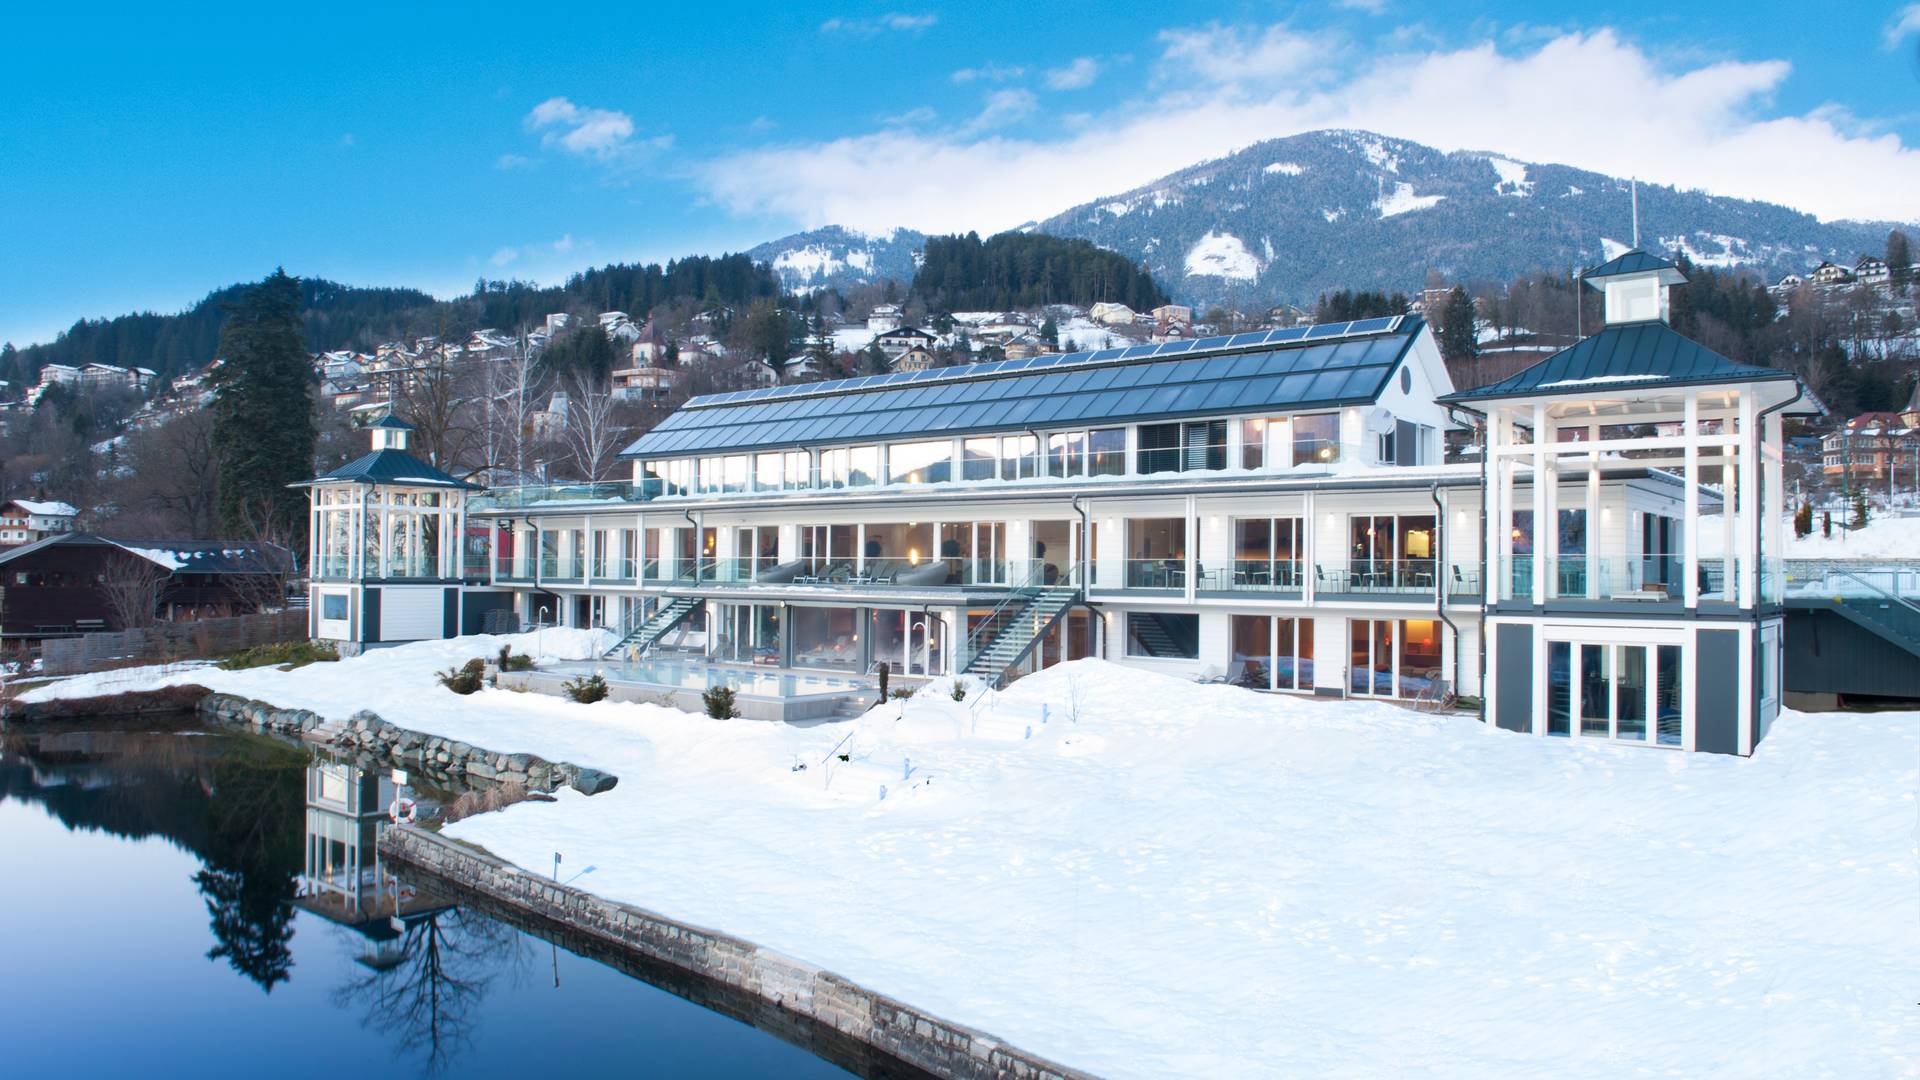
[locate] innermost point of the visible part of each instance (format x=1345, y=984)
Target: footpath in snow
x=1176, y=880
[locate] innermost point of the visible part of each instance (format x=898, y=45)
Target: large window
x=893, y=547
x=974, y=551
x=1316, y=439
x=1629, y=693
x=849, y=466
x=1390, y=658
x=1100, y=452
x=827, y=550
x=1272, y=652
x=1390, y=552
x=749, y=634
x=1156, y=553
x=826, y=638
x=1254, y=433
x=909, y=642
x=782, y=471
x=1188, y=447
x=920, y=462
x=1163, y=635
x=1266, y=554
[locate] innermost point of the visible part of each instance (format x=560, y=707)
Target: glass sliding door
x=1559, y=688
x=1629, y=693
x=1270, y=652
x=1370, y=667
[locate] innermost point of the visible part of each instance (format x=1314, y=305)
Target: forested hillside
x=965, y=273
x=338, y=316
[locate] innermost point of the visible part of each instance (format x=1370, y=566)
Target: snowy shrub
x=719, y=702
x=464, y=679
x=959, y=690
x=285, y=655
x=902, y=694
x=512, y=661
x=588, y=690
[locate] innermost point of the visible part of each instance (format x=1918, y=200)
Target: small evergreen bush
x=902, y=694
x=285, y=655
x=588, y=690
x=1803, y=520
x=464, y=679
x=959, y=690
x=719, y=702
x=512, y=661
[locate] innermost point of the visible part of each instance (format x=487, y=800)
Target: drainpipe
x=1086, y=568
x=1440, y=580
x=1486, y=550
x=688, y=514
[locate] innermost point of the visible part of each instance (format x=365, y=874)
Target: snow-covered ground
x=1178, y=880
x=1882, y=538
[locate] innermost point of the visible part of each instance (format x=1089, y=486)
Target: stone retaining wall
x=367, y=732
x=896, y=1029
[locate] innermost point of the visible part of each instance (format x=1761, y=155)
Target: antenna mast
x=1636, y=211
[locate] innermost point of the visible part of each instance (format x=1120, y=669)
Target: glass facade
x=1271, y=652
x=1316, y=439
x=826, y=637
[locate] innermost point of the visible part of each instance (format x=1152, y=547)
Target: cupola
x=1635, y=285
x=390, y=433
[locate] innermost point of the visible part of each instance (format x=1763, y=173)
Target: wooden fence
x=200, y=638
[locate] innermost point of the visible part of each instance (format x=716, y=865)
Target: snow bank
x=1883, y=538
x=1145, y=877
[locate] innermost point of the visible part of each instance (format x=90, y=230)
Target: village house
x=72, y=582
x=24, y=521
x=1111, y=314
x=1871, y=270
x=1870, y=448
x=884, y=317
x=1829, y=274
x=916, y=358
x=897, y=341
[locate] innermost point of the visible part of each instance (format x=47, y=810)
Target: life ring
x=403, y=811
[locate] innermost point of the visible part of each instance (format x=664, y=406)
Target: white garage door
x=410, y=614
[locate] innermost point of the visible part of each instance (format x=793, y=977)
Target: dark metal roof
x=392, y=422
x=1640, y=356
x=1631, y=262
x=390, y=467
x=1300, y=367
x=178, y=556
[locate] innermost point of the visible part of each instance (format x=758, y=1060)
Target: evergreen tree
x=1456, y=330
x=263, y=422
x=819, y=347
x=1826, y=524
x=1860, y=510
x=1899, y=255
x=1803, y=520
x=768, y=332
x=1050, y=332
x=873, y=361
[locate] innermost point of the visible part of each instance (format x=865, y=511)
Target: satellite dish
x=1379, y=421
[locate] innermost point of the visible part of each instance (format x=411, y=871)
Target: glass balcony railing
x=334, y=566
x=1169, y=572
x=1376, y=576
x=513, y=498
x=1253, y=575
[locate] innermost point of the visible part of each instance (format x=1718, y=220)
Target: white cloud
x=564, y=244
x=504, y=256
x=600, y=133
x=1075, y=76
x=989, y=72
x=510, y=162
x=1905, y=22
x=914, y=117
x=868, y=27
x=1371, y=7
x=1003, y=107
x=1702, y=126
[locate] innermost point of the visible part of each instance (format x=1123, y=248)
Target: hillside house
x=885, y=317
x=1112, y=314
x=917, y=358
x=1871, y=270
x=897, y=341
x=25, y=521
x=1827, y=275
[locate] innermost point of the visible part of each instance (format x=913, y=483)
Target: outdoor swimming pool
x=698, y=675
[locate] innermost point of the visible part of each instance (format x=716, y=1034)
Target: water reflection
x=286, y=840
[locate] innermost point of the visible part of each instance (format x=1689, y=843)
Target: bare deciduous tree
x=593, y=431
x=130, y=586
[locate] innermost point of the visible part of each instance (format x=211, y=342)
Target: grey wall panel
x=370, y=616
x=1716, y=691
x=1513, y=697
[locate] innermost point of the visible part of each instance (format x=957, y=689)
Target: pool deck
x=833, y=695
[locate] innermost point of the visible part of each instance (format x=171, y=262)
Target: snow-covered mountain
x=836, y=256
x=1286, y=219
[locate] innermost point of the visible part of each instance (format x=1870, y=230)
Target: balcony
x=609, y=491
x=1385, y=577
x=1265, y=576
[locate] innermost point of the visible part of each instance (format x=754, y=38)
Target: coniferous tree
x=1456, y=330
x=1899, y=255
x=263, y=422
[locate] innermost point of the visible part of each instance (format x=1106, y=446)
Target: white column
x=1546, y=532
x=1773, y=527
x=1594, y=565
x=1749, y=486
x=1690, y=448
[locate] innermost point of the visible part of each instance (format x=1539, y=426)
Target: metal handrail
x=1021, y=595
x=1871, y=587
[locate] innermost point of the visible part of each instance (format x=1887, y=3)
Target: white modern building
x=1269, y=508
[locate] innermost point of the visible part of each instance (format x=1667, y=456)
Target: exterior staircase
x=1015, y=628
x=655, y=626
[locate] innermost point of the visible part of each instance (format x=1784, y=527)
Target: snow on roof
x=47, y=509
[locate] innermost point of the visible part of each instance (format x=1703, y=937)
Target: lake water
x=179, y=902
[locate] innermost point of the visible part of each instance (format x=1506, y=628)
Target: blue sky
x=150, y=157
